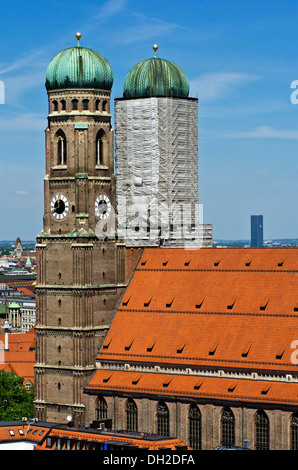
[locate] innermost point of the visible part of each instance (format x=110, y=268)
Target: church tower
x=156, y=136
x=80, y=262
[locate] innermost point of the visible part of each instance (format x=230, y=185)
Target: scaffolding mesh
x=156, y=148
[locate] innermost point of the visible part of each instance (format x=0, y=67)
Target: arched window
x=294, y=432
x=74, y=105
x=85, y=104
x=227, y=428
x=104, y=105
x=194, y=427
x=101, y=409
x=97, y=103
x=100, y=147
x=63, y=105
x=261, y=431
x=163, y=419
x=131, y=416
x=55, y=105
x=61, y=148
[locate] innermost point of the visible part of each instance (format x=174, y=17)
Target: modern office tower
x=156, y=150
x=256, y=226
x=80, y=269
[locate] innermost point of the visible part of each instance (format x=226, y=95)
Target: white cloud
x=22, y=192
x=23, y=122
x=144, y=28
x=15, y=87
x=263, y=132
x=217, y=85
x=110, y=8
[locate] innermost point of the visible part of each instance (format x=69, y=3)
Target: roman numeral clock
x=80, y=277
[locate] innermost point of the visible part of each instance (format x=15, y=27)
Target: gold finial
x=78, y=36
x=155, y=47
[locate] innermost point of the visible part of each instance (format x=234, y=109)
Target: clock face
x=103, y=207
x=59, y=206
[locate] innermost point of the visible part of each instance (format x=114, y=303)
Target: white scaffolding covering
x=156, y=149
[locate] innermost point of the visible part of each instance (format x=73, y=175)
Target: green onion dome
x=156, y=77
x=79, y=67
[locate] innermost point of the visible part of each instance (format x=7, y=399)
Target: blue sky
x=240, y=57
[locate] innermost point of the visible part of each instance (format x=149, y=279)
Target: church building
x=193, y=344
x=204, y=347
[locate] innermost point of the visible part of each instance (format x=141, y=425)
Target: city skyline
x=240, y=63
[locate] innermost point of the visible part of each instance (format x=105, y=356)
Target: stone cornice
x=157, y=369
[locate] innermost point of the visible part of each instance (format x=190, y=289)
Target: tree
x=15, y=401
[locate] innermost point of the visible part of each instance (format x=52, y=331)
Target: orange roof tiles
x=213, y=340
x=113, y=437
x=196, y=386
x=232, y=317
x=10, y=432
x=20, y=357
x=209, y=309
x=25, y=291
x=45, y=436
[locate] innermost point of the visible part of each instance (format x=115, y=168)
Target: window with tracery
x=131, y=412
x=101, y=409
x=294, y=432
x=163, y=419
x=227, y=428
x=261, y=431
x=194, y=427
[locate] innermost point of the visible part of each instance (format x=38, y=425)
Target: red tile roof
x=202, y=315
x=45, y=437
x=113, y=437
x=20, y=357
x=25, y=291
x=12, y=432
x=231, y=309
x=195, y=386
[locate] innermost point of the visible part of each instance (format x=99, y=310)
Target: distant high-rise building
x=256, y=226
